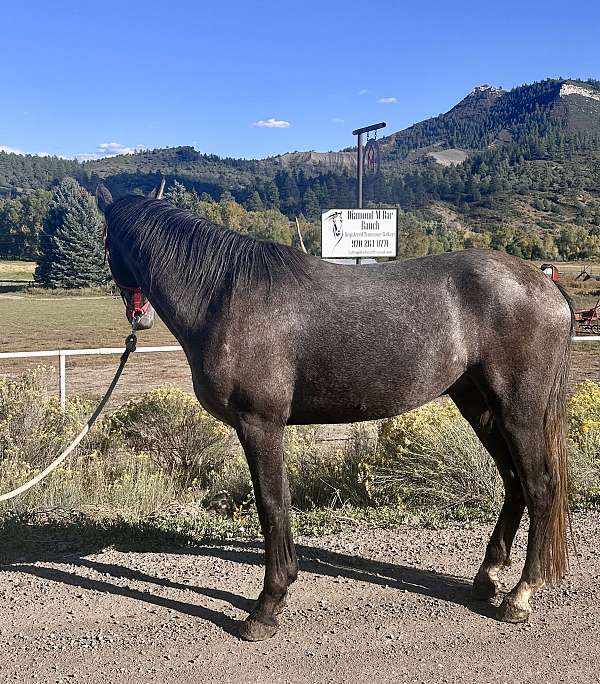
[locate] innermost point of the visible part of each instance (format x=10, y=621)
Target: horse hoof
x=254, y=630
x=484, y=588
x=509, y=612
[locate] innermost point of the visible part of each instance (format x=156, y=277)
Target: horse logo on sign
x=336, y=226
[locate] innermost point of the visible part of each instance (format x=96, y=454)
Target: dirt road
x=369, y=606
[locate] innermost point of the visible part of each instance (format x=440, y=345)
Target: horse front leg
x=263, y=446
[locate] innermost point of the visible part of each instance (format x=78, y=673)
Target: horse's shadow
x=312, y=559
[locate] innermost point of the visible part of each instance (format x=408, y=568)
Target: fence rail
x=100, y=351
x=62, y=359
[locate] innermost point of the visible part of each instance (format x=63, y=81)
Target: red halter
x=138, y=306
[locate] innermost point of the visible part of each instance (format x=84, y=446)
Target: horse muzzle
x=144, y=320
x=138, y=309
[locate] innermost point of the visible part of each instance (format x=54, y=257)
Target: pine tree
x=180, y=197
x=254, y=202
x=310, y=204
x=272, y=199
x=71, y=250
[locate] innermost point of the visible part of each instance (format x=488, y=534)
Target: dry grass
x=17, y=270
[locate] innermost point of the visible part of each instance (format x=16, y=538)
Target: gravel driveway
x=370, y=606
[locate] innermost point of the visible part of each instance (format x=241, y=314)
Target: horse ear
x=157, y=193
x=103, y=197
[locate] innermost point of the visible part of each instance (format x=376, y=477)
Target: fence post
x=62, y=380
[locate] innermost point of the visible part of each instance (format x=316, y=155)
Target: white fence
x=63, y=353
x=62, y=358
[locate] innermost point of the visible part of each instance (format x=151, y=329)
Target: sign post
x=359, y=163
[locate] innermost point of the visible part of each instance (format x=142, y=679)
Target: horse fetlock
x=516, y=606
x=279, y=608
x=266, y=605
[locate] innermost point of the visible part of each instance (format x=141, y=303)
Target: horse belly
x=343, y=393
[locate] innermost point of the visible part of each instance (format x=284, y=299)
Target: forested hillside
x=517, y=170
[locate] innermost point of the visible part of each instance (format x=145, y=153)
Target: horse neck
x=181, y=310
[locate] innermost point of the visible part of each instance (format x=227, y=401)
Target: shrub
x=176, y=432
x=319, y=477
x=34, y=429
x=583, y=412
x=121, y=483
x=431, y=457
x=585, y=468
x=163, y=450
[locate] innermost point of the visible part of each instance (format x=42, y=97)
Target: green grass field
x=35, y=322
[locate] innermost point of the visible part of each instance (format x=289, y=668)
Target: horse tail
x=555, y=553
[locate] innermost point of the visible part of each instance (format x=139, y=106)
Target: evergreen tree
x=180, y=197
x=288, y=189
x=254, y=202
x=21, y=224
x=272, y=199
x=71, y=250
x=310, y=204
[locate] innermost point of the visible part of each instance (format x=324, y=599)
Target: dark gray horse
x=275, y=337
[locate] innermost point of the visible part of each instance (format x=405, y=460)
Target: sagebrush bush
x=319, y=477
x=584, y=462
x=33, y=426
x=126, y=484
x=583, y=411
x=144, y=455
x=163, y=450
x=431, y=457
x=171, y=427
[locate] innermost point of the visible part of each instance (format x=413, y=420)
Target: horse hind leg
x=473, y=407
x=531, y=417
x=545, y=489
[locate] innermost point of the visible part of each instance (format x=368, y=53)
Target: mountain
x=527, y=159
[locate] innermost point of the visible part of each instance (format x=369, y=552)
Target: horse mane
x=205, y=257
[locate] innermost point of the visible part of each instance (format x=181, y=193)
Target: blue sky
x=80, y=76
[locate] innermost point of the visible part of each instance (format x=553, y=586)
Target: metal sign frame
x=372, y=158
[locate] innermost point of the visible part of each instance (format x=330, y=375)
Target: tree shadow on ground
x=70, y=544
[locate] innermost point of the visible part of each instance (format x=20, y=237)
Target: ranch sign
x=359, y=233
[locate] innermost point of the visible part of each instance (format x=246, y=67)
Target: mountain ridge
x=528, y=157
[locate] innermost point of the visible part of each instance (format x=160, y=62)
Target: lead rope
x=130, y=344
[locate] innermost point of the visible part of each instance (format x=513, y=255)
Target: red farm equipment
x=587, y=320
